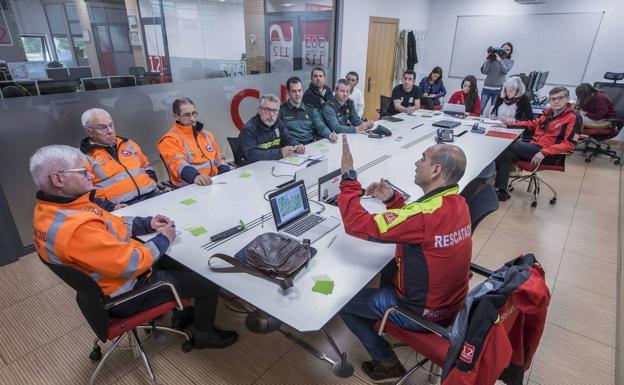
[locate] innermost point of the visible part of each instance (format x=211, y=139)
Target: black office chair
x=136, y=71
x=55, y=64
x=96, y=307
x=481, y=204
x=384, y=105
x=615, y=76
x=166, y=185
x=239, y=159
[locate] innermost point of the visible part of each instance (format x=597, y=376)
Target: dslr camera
x=492, y=51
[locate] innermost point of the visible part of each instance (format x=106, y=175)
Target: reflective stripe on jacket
x=122, y=177
x=80, y=234
x=182, y=147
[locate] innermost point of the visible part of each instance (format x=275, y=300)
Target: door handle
x=370, y=83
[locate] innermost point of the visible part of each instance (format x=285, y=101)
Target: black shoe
x=380, y=373
x=502, y=195
x=181, y=320
x=218, y=339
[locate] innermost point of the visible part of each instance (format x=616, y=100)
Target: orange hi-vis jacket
x=121, y=173
x=78, y=233
x=184, y=146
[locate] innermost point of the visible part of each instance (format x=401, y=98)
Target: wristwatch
x=349, y=175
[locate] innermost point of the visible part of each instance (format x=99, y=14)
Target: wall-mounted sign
x=281, y=46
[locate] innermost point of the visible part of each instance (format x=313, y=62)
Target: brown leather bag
x=271, y=256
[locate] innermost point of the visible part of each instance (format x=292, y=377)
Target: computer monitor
x=28, y=70
x=90, y=84
x=57, y=73
x=533, y=78
x=542, y=80
x=49, y=87
x=80, y=72
x=29, y=87
x=122, y=81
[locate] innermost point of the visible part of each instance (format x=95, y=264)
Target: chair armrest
x=480, y=270
x=420, y=320
x=113, y=302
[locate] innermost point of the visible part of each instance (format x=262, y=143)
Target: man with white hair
x=70, y=229
x=122, y=172
x=265, y=137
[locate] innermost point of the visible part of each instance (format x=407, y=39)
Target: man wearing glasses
x=556, y=132
x=122, y=173
x=191, y=154
x=304, y=123
x=265, y=137
x=70, y=229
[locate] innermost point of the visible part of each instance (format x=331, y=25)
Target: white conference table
x=350, y=262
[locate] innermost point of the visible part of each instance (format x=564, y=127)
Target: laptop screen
x=289, y=204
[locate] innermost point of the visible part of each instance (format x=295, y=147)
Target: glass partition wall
x=133, y=58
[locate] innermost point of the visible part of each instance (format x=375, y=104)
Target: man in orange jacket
x=191, y=154
x=122, y=173
x=556, y=132
x=70, y=229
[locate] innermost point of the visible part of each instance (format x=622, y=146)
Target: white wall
x=606, y=56
x=355, y=15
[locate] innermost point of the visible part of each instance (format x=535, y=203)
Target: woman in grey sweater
x=495, y=68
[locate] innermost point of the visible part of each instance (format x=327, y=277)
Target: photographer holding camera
x=497, y=64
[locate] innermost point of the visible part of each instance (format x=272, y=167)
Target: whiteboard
x=557, y=42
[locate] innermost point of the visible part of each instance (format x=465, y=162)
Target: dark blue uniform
x=258, y=141
x=341, y=119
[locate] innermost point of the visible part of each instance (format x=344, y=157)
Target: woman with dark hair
x=433, y=89
x=594, y=105
x=468, y=96
x=495, y=69
x=513, y=103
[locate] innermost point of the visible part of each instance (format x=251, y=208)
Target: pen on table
x=418, y=125
x=262, y=220
x=332, y=241
x=220, y=183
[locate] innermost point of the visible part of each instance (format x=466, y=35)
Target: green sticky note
x=393, y=129
x=294, y=158
x=244, y=174
x=188, y=202
x=198, y=231
x=323, y=287
x=321, y=145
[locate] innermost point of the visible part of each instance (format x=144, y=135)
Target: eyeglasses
x=102, y=127
x=556, y=99
x=269, y=110
x=188, y=115
x=82, y=171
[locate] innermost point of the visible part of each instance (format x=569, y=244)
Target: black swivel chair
x=482, y=203
x=95, y=307
x=384, y=105
x=239, y=159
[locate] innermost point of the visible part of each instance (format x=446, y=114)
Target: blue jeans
x=487, y=96
x=367, y=307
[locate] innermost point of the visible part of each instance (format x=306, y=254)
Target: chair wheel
x=587, y=160
x=510, y=189
x=553, y=201
x=534, y=204
x=96, y=354
x=187, y=346
x=617, y=161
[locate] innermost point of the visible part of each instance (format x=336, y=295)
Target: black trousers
x=188, y=284
x=518, y=150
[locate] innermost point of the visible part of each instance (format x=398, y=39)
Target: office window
x=63, y=49
x=36, y=48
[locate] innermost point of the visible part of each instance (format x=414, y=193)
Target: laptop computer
x=292, y=216
x=455, y=110
x=329, y=187
x=446, y=124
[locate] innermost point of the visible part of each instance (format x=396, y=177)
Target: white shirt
x=507, y=111
x=358, y=100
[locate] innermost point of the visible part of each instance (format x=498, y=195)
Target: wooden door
x=382, y=39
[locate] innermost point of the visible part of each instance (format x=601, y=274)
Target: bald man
x=432, y=258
